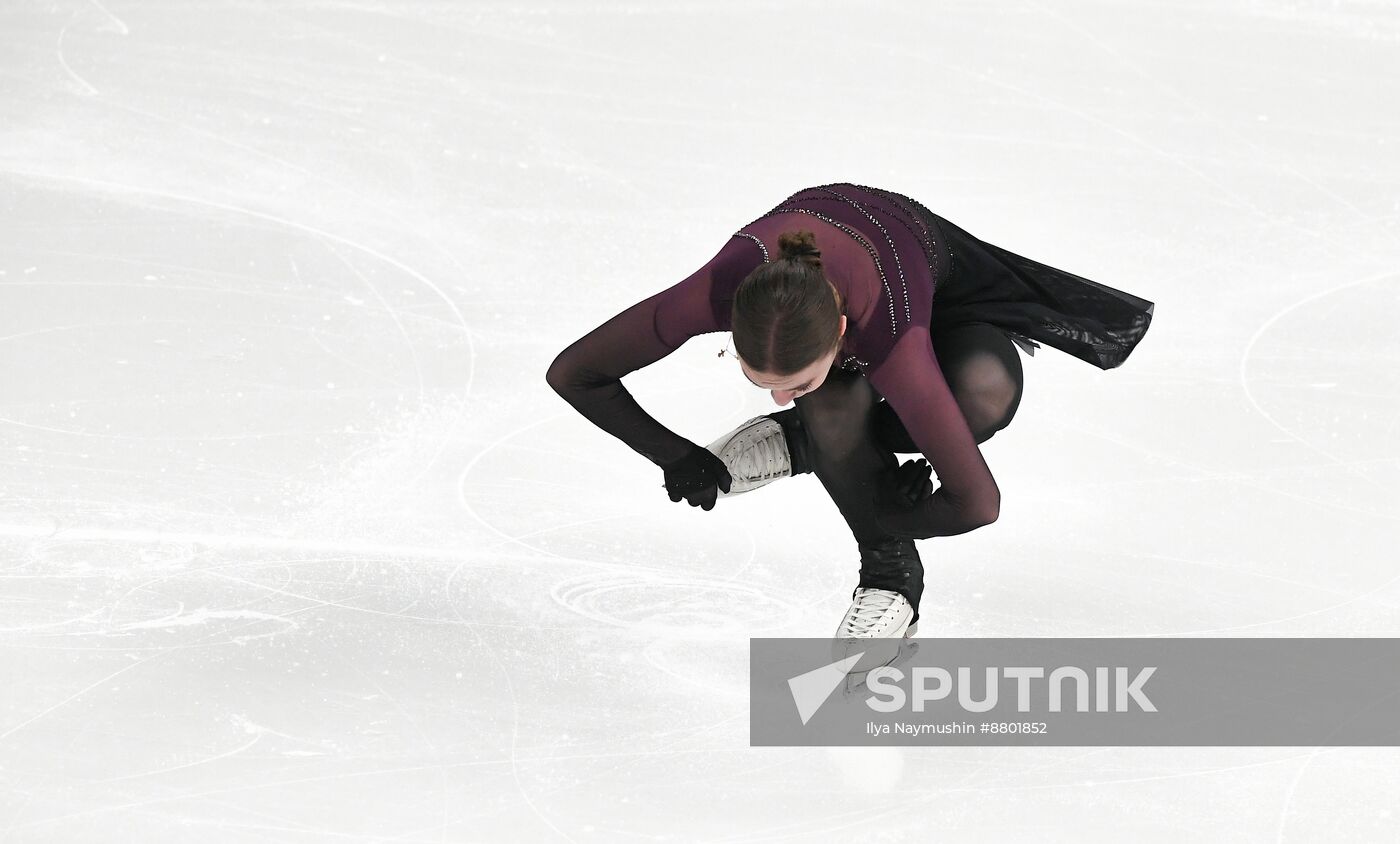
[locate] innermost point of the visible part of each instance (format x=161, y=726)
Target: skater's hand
x=903, y=488
x=698, y=477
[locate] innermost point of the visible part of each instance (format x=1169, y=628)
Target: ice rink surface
x=298, y=545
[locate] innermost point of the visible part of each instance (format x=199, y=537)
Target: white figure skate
x=755, y=453
x=877, y=614
x=875, y=626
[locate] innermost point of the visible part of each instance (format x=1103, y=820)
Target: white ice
x=298, y=545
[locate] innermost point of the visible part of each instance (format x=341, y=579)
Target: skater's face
x=785, y=388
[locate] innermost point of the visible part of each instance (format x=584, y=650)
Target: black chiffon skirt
x=1034, y=303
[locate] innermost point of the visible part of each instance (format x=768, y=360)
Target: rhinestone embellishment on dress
x=760, y=243
x=899, y=267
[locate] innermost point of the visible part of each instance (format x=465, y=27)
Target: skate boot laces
x=755, y=453
x=767, y=458
x=871, y=612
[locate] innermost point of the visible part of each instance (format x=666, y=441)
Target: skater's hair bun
x=786, y=315
x=800, y=246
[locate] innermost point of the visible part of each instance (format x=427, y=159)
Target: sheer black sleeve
x=588, y=373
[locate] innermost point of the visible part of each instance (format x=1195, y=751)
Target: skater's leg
x=982, y=368
x=848, y=461
x=849, y=437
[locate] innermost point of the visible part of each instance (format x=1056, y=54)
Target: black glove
x=901, y=489
x=698, y=477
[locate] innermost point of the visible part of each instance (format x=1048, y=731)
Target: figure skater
x=892, y=331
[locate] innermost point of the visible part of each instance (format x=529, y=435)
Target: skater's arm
x=967, y=498
x=588, y=373
x=588, y=376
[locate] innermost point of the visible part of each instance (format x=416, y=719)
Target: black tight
x=848, y=435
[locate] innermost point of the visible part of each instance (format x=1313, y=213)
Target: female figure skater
x=894, y=332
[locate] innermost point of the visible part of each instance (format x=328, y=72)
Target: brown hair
x=786, y=314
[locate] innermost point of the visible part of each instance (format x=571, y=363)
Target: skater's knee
x=987, y=392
